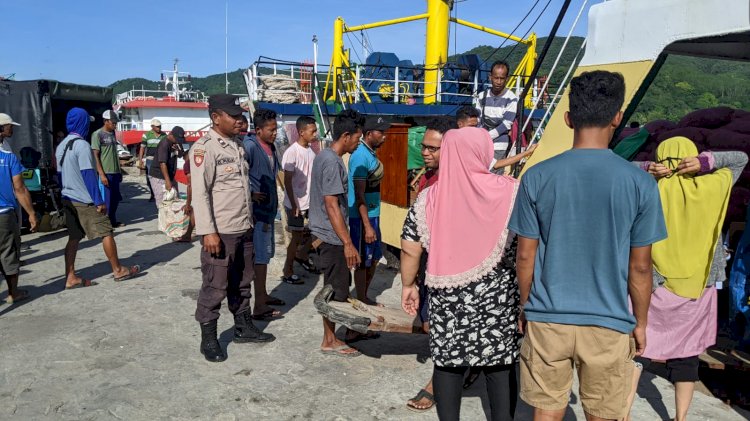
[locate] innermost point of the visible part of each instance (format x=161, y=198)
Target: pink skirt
x=680, y=327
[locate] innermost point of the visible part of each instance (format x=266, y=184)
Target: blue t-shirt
x=587, y=208
x=365, y=166
x=78, y=159
x=10, y=167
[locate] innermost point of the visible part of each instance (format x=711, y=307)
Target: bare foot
x=69, y=282
x=338, y=347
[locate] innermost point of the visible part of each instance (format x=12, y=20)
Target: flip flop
x=338, y=352
x=423, y=394
x=22, y=295
x=83, y=284
x=307, y=265
x=132, y=271
x=273, y=301
x=362, y=337
x=294, y=280
x=268, y=315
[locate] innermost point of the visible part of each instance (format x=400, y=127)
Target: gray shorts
x=10, y=244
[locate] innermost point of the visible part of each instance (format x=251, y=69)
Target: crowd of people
x=584, y=264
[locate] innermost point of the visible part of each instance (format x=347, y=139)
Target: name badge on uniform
x=198, y=157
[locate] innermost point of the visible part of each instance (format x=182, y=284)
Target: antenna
x=226, y=46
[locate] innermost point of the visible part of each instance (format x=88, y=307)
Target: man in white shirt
x=497, y=107
x=297, y=164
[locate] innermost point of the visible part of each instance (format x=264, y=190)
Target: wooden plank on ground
x=362, y=317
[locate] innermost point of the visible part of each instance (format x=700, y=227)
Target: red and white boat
x=176, y=105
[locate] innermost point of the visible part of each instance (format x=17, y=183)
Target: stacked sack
x=715, y=129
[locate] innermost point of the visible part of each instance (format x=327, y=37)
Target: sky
x=98, y=42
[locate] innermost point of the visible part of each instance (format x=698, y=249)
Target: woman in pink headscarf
x=462, y=222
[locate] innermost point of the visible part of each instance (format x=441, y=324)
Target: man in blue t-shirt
x=12, y=191
x=586, y=220
x=365, y=174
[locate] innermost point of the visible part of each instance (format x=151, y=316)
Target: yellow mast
x=436, y=46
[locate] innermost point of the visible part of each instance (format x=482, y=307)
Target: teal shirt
x=587, y=208
x=364, y=165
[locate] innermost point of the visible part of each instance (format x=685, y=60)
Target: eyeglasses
x=431, y=149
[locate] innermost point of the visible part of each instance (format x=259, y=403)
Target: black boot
x=246, y=331
x=210, y=347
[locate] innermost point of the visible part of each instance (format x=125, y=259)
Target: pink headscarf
x=464, y=216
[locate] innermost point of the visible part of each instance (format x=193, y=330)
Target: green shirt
x=106, y=144
x=150, y=141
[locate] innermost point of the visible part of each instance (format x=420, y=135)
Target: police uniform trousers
x=229, y=274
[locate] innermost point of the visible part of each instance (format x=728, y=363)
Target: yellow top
x=694, y=210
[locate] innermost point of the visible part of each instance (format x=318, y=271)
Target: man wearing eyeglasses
x=497, y=108
x=431, y=142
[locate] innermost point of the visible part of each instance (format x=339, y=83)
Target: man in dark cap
x=164, y=165
x=365, y=174
x=222, y=207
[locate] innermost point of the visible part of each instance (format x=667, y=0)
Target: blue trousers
x=112, y=196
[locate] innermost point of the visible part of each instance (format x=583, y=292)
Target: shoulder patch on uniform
x=198, y=156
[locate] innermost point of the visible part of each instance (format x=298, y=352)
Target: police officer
x=223, y=218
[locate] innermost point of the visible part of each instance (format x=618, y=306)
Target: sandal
x=21, y=295
x=294, y=280
x=423, y=394
x=307, y=265
x=273, y=301
x=83, y=284
x=132, y=272
x=339, y=352
x=268, y=315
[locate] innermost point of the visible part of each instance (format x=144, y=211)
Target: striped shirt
x=496, y=114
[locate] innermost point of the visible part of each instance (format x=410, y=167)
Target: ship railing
x=298, y=78
x=150, y=94
x=357, y=86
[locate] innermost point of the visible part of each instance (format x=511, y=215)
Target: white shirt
x=299, y=160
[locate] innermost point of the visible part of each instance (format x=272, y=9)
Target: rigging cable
x=557, y=60
x=537, y=66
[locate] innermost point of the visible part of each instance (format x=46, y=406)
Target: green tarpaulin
x=629, y=147
x=415, y=148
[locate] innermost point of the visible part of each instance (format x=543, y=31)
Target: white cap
x=110, y=115
x=155, y=122
x=5, y=119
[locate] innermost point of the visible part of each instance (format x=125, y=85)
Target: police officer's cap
x=230, y=104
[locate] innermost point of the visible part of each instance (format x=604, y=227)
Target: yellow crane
x=438, y=19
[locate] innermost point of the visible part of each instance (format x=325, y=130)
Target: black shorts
x=332, y=263
x=680, y=369
x=683, y=369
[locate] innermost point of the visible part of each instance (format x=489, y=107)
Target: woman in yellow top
x=694, y=190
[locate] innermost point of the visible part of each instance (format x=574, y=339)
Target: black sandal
x=423, y=394
x=307, y=265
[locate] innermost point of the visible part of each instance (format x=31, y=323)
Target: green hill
x=684, y=84
x=210, y=85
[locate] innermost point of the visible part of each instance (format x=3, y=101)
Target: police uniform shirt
x=220, y=185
